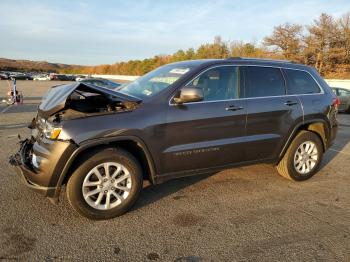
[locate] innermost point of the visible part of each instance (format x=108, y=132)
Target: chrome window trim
x=246, y=98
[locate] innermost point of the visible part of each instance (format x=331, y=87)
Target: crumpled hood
x=56, y=97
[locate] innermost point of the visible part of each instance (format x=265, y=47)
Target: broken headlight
x=50, y=131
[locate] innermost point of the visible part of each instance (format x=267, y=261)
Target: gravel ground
x=241, y=214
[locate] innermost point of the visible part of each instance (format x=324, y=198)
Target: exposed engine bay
x=81, y=100
x=86, y=103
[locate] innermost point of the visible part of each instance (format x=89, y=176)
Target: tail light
x=336, y=102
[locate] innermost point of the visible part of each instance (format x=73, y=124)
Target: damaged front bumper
x=25, y=171
x=40, y=163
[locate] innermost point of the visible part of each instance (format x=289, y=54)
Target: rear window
x=300, y=82
x=264, y=81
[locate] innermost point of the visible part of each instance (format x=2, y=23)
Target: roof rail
x=259, y=59
x=234, y=58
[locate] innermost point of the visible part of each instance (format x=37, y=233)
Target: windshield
x=155, y=81
x=101, y=82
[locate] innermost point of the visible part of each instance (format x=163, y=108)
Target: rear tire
x=303, y=157
x=105, y=184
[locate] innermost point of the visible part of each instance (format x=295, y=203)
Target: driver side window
x=219, y=83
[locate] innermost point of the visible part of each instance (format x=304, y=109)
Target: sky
x=105, y=32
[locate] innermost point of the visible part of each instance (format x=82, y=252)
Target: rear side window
x=300, y=82
x=264, y=81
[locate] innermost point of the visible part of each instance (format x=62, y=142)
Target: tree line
x=323, y=44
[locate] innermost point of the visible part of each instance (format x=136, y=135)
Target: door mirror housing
x=189, y=94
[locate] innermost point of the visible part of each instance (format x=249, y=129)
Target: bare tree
x=344, y=24
x=322, y=37
x=287, y=38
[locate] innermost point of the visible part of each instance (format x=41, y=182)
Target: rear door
x=271, y=114
x=208, y=133
x=303, y=84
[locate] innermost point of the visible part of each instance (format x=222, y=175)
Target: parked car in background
x=80, y=78
x=185, y=118
x=21, y=76
x=52, y=76
x=71, y=77
x=344, y=99
x=42, y=77
x=101, y=82
x=61, y=77
x=4, y=76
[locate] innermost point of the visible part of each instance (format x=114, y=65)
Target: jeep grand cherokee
x=181, y=119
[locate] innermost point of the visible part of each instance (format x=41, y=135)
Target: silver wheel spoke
x=97, y=173
x=94, y=183
x=116, y=172
x=303, y=168
x=306, y=149
x=312, y=164
x=308, y=167
x=99, y=198
x=93, y=192
x=119, y=197
x=124, y=188
x=108, y=200
x=300, y=164
x=122, y=178
x=311, y=149
x=106, y=167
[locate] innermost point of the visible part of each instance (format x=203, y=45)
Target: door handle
x=290, y=103
x=233, y=108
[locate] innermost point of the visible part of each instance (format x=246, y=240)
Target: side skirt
x=173, y=175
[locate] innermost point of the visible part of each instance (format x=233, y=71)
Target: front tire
x=303, y=157
x=105, y=184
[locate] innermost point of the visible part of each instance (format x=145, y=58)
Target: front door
x=209, y=133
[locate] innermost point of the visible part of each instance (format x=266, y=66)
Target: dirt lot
x=241, y=214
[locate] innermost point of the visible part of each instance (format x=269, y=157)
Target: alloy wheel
x=107, y=185
x=305, y=157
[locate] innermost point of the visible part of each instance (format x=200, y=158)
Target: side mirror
x=189, y=94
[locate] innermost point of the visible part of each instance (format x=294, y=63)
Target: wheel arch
x=318, y=126
x=133, y=145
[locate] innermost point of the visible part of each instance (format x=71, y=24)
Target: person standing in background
x=14, y=91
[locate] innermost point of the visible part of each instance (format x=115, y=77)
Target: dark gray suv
x=181, y=119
